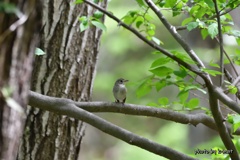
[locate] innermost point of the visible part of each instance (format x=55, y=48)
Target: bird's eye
x=121, y=81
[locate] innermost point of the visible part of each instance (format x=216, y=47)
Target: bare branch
x=226, y=100
x=67, y=107
x=130, y=109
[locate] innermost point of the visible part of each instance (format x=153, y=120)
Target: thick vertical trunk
x=67, y=70
x=18, y=34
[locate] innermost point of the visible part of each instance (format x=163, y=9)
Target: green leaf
x=183, y=57
x=39, y=52
x=159, y=62
x=78, y=1
x=139, y=21
x=161, y=71
x=214, y=64
x=157, y=41
x=211, y=72
x=187, y=20
x=151, y=32
x=99, y=25
x=6, y=92
x=163, y=101
x=84, y=26
x=83, y=19
x=193, y=103
x=232, y=89
x=156, y=52
x=204, y=33
x=152, y=104
x=140, y=3
x=209, y=3
x=181, y=73
x=170, y=3
x=192, y=25
x=183, y=96
x=97, y=15
x=144, y=88
x=213, y=30
x=235, y=120
x=128, y=19
x=161, y=84
x=235, y=33
x=9, y=8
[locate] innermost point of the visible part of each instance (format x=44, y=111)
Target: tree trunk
x=18, y=35
x=67, y=70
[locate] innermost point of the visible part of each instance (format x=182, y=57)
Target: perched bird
x=120, y=91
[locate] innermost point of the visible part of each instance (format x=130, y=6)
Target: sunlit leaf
x=183, y=96
x=211, y=72
x=187, y=20
x=170, y=3
x=214, y=64
x=99, y=25
x=213, y=30
x=160, y=61
x=157, y=41
x=181, y=73
x=78, y=1
x=161, y=84
x=39, y=52
x=192, y=25
x=140, y=3
x=98, y=14
x=144, y=88
x=161, y=71
x=163, y=101
x=192, y=103
x=204, y=33
x=83, y=26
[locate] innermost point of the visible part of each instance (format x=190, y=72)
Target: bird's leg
x=124, y=100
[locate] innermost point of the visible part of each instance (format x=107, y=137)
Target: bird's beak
x=125, y=80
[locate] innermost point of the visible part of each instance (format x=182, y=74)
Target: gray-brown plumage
x=120, y=91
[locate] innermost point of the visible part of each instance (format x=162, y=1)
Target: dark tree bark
x=18, y=35
x=67, y=70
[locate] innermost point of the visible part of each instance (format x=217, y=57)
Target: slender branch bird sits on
x=120, y=90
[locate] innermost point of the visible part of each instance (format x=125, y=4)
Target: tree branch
x=150, y=43
x=226, y=100
x=177, y=36
x=220, y=122
x=129, y=109
x=67, y=107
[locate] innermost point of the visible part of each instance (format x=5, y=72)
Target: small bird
x=120, y=91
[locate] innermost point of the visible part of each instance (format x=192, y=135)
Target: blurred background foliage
x=122, y=54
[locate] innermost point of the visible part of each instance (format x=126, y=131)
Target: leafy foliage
x=94, y=20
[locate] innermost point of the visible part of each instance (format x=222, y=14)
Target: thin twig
x=225, y=53
x=220, y=42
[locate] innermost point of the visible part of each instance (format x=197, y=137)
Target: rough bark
x=18, y=35
x=67, y=70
